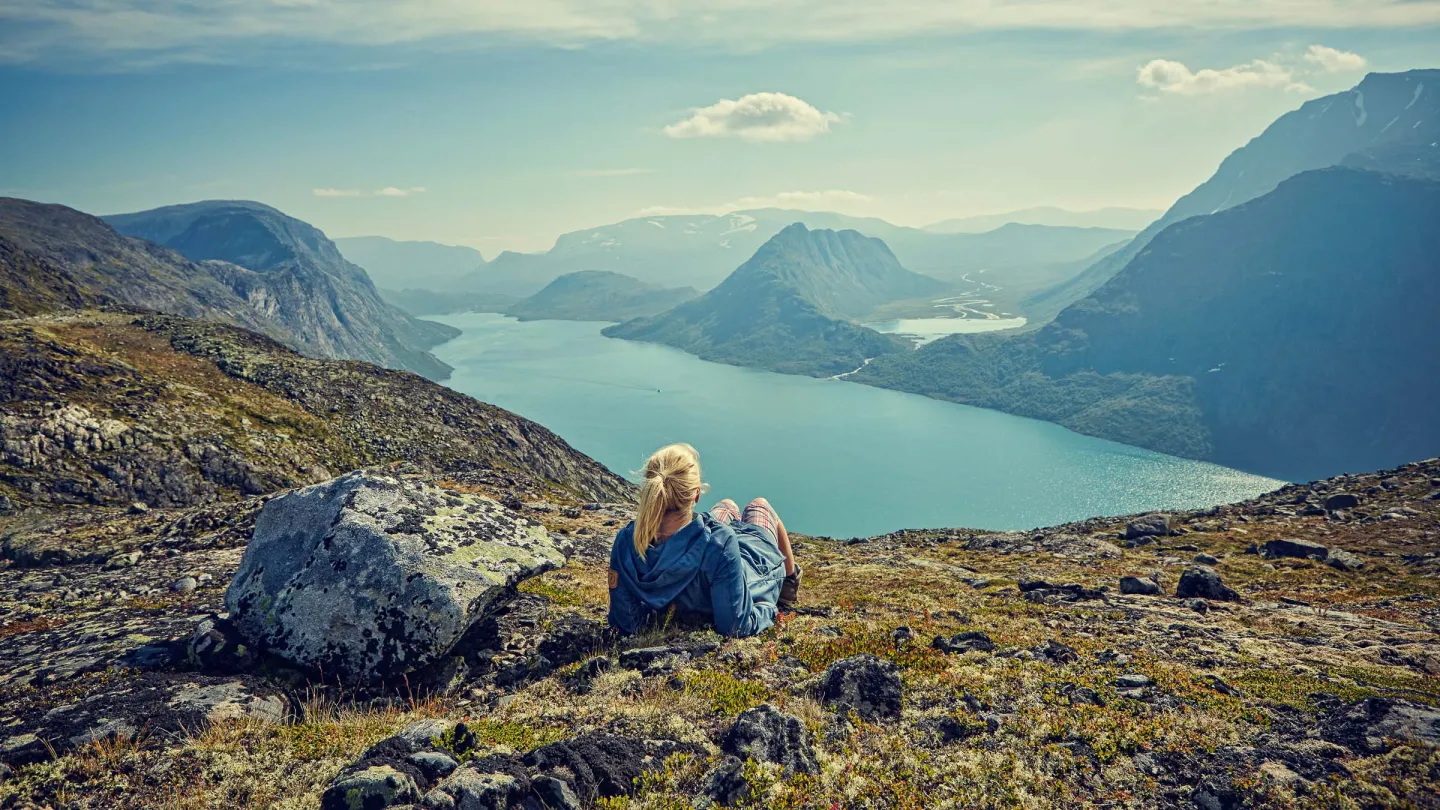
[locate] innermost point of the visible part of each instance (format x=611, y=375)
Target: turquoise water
x=835, y=458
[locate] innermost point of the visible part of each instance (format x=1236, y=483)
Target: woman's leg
x=761, y=513
x=726, y=511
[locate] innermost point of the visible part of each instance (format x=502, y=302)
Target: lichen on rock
x=371, y=577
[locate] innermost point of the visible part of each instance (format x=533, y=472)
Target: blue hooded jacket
x=731, y=571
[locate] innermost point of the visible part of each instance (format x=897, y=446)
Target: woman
x=737, y=567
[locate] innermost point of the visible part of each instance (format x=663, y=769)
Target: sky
x=500, y=124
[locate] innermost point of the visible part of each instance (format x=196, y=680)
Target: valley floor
x=1089, y=697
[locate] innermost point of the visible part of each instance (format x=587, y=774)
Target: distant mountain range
x=701, y=250
x=788, y=307
x=1125, y=219
x=402, y=265
x=1381, y=120
x=598, y=295
x=240, y=262
x=1293, y=335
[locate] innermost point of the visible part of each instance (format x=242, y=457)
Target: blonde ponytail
x=672, y=480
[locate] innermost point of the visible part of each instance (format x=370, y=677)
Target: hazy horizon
x=501, y=126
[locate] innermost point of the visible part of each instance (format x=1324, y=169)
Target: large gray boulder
x=370, y=576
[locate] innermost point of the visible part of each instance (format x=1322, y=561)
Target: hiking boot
x=790, y=590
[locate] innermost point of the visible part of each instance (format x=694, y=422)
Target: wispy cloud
x=388, y=191
x=840, y=201
x=150, y=32
x=609, y=172
x=1176, y=78
x=756, y=117
x=1335, y=61
x=1285, y=71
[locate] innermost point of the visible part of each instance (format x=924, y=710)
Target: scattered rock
x=1143, y=586
x=1344, y=560
x=864, y=684
x=1057, y=652
x=1370, y=726
x=1132, y=681
x=1206, y=559
x=469, y=788
x=1203, y=582
x=726, y=784
x=1290, y=547
x=370, y=577
x=766, y=734
x=1148, y=526
x=554, y=794
x=434, y=764
x=1340, y=501
x=216, y=646
x=138, y=508
x=964, y=642
x=371, y=789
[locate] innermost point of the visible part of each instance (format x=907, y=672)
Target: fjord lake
x=835, y=458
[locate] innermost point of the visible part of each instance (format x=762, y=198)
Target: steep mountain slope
x=1132, y=219
x=115, y=408
x=1385, y=110
x=400, y=265
x=1293, y=335
x=289, y=271
x=786, y=309
x=701, y=250
x=598, y=295
x=56, y=257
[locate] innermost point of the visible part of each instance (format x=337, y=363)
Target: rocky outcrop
x=98, y=408
x=369, y=578
x=442, y=764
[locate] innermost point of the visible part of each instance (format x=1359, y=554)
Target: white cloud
x=1334, y=61
x=1175, y=78
x=840, y=201
x=388, y=191
x=756, y=117
x=609, y=172
x=155, y=31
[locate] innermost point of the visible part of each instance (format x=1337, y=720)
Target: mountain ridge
x=291, y=272
x=599, y=295
x=787, y=308
x=1321, y=132
x=1237, y=337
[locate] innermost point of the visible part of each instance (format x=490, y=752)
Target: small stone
x=865, y=684
x=184, y=585
x=726, y=785
x=1203, y=582
x=554, y=794
x=377, y=787
x=1133, y=681
x=1142, y=586
x=963, y=642
x=1198, y=605
x=1344, y=560
x=1206, y=559
x=1057, y=652
x=139, y=508
x=1290, y=547
x=1148, y=526
x=1340, y=501
x=433, y=764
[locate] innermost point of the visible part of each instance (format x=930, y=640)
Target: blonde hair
x=672, y=480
